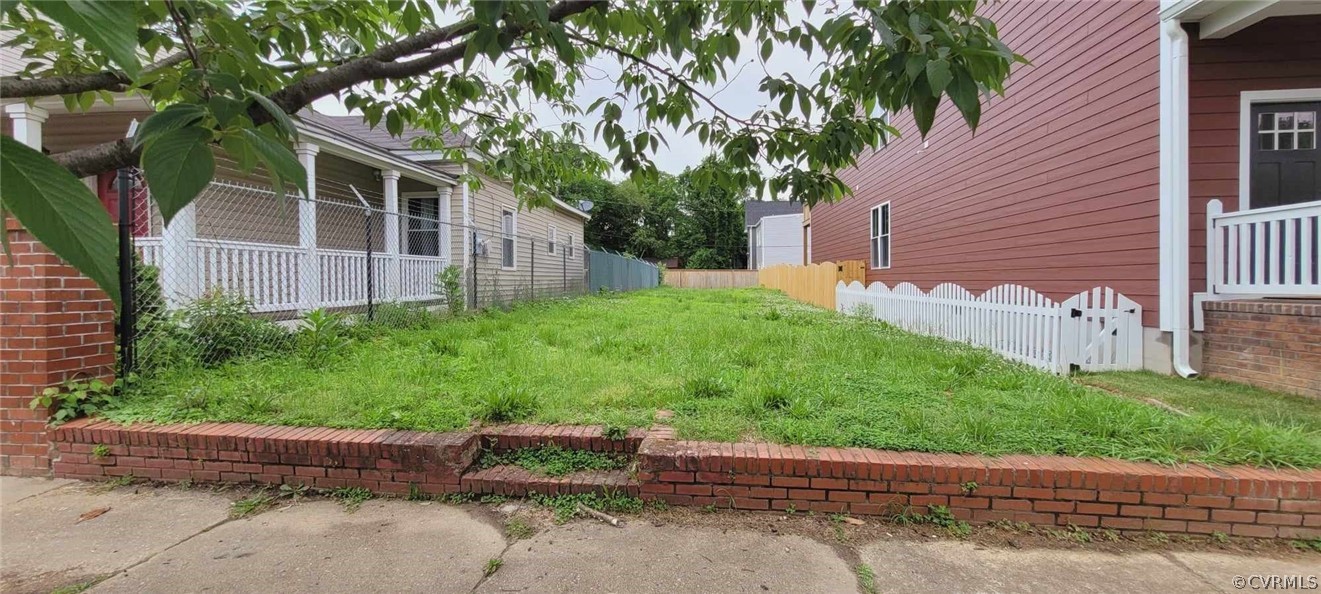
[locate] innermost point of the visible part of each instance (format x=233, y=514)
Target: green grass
x=551, y=460
x=736, y=364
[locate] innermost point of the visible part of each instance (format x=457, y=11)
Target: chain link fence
x=241, y=266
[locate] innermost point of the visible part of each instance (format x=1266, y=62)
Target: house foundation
x=1272, y=344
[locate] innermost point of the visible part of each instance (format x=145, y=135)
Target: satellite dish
x=585, y=205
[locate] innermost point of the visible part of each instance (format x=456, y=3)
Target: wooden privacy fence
x=1097, y=330
x=813, y=283
x=709, y=279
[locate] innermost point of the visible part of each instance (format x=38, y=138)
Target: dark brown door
x=1286, y=163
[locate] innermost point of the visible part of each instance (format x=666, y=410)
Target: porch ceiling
x=1222, y=18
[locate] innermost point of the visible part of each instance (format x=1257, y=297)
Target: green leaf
x=282, y=119
x=279, y=160
x=109, y=27
x=178, y=164
x=237, y=147
x=963, y=91
x=924, y=111
x=938, y=76
x=226, y=108
x=61, y=212
x=171, y=118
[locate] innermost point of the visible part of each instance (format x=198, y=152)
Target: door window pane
x=1306, y=120
x=1267, y=142
x=1266, y=121
x=1307, y=140
x=1284, y=121
x=1285, y=141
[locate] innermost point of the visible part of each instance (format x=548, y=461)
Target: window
x=568, y=246
x=1286, y=131
x=553, y=235
x=508, y=226
x=423, y=227
x=880, y=236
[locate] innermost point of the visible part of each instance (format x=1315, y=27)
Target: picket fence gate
x=1096, y=330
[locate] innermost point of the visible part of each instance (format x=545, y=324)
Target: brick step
x=504, y=438
x=514, y=481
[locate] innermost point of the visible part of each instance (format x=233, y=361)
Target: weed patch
x=566, y=506
x=552, y=460
x=351, y=497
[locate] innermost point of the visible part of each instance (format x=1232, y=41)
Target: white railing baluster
x=1269, y=252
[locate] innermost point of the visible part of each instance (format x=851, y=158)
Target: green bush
x=220, y=327
x=74, y=399
x=322, y=337
x=449, y=284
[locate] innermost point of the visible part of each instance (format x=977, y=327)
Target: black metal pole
x=475, y=302
x=371, y=273
x=532, y=246
x=128, y=311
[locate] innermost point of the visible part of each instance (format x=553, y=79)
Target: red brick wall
x=1090, y=493
x=55, y=325
x=1269, y=344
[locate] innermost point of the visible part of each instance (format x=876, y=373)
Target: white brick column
x=390, y=179
x=27, y=122
x=309, y=264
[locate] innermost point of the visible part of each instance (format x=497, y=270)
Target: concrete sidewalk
x=59, y=534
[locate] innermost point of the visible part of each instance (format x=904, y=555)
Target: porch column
x=446, y=219
x=390, y=178
x=309, y=268
x=27, y=122
x=181, y=274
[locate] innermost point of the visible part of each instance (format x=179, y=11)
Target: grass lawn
x=732, y=365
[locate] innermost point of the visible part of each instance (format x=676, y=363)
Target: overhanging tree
x=231, y=75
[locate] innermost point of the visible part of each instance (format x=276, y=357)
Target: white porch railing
x=1266, y=252
x=267, y=274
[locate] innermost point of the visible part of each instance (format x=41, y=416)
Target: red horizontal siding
x=1057, y=190
x=1277, y=53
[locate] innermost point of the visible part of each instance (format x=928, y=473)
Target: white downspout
x=1174, y=192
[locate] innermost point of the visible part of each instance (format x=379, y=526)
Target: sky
x=739, y=95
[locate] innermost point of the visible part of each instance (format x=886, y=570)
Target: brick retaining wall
x=1269, y=344
x=1089, y=493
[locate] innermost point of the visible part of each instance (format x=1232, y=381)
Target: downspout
x=1174, y=190
x=467, y=221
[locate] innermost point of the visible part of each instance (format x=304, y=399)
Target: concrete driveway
x=66, y=536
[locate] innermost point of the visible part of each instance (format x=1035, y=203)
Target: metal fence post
x=371, y=269
x=128, y=312
x=532, y=274
x=475, y=302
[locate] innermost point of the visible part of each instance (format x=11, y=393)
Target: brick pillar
x=55, y=325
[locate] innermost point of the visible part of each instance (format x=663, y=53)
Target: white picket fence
x=1097, y=330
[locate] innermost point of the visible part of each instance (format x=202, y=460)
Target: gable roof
x=755, y=210
x=352, y=125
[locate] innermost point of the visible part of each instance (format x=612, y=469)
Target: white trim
x=511, y=235
x=876, y=235
x=1246, y=99
x=407, y=233
x=336, y=143
x=571, y=209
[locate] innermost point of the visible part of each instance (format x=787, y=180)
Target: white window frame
x=877, y=233
x=1245, y=137
x=511, y=237
x=568, y=247
x=554, y=235
x=407, y=233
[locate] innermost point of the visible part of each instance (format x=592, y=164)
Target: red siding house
x=1097, y=167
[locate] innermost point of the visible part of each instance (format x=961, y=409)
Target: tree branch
x=375, y=66
x=666, y=72
x=12, y=87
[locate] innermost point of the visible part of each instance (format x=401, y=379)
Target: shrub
x=509, y=404
x=220, y=327
x=323, y=335
x=449, y=284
